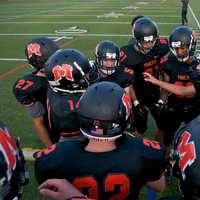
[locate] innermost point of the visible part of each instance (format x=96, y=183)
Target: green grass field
x=76, y=24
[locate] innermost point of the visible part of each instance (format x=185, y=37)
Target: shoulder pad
x=128, y=71
x=46, y=151
x=163, y=41
x=122, y=55
x=29, y=88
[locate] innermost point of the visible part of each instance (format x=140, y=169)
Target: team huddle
x=92, y=116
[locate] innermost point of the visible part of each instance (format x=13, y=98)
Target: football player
x=107, y=65
x=145, y=54
x=186, y=154
x=12, y=172
x=68, y=72
x=104, y=167
x=31, y=89
x=184, y=11
x=182, y=106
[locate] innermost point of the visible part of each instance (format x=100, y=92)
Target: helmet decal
x=63, y=71
x=68, y=70
x=183, y=37
x=33, y=48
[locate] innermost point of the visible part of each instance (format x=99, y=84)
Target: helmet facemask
x=107, y=57
x=176, y=47
x=108, y=64
x=182, y=42
x=146, y=44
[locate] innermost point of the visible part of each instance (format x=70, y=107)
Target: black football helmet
x=106, y=50
x=145, y=32
x=135, y=19
x=39, y=50
x=12, y=172
x=103, y=111
x=68, y=70
x=180, y=37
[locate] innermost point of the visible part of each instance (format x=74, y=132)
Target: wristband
x=135, y=103
x=161, y=101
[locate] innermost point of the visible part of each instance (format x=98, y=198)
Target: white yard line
x=194, y=16
x=74, y=34
x=67, y=15
x=198, y=25
x=12, y=59
x=78, y=22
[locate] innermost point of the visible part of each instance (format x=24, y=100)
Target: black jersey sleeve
x=29, y=89
x=47, y=161
x=153, y=159
x=35, y=109
x=123, y=76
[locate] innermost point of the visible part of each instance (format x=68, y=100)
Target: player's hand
x=141, y=110
x=58, y=189
x=160, y=107
x=149, y=78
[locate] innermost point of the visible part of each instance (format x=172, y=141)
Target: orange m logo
x=63, y=71
x=33, y=49
x=186, y=151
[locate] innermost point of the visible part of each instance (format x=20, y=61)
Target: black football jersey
x=188, y=149
x=140, y=63
x=180, y=74
x=123, y=76
x=118, y=174
x=62, y=110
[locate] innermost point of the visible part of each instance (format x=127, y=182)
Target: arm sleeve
x=35, y=109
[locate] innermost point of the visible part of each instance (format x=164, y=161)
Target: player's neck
x=39, y=73
x=100, y=146
x=189, y=61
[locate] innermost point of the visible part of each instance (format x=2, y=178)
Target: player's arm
x=133, y=95
x=36, y=111
x=41, y=130
x=154, y=163
x=158, y=185
x=163, y=92
x=176, y=89
x=60, y=189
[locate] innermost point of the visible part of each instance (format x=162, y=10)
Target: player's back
x=63, y=113
x=119, y=173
